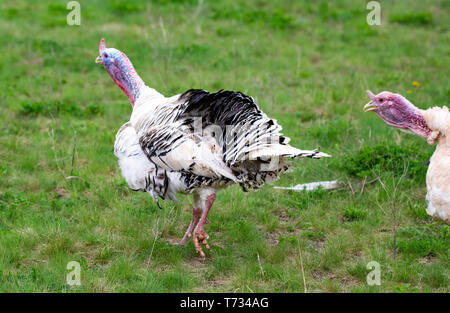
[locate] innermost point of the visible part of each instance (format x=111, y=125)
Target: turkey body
x=195, y=142
x=438, y=174
x=161, y=151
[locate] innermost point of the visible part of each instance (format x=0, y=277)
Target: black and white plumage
x=196, y=142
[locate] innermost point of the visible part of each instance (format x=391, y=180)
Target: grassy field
x=306, y=63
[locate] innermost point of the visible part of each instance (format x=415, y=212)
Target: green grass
x=306, y=63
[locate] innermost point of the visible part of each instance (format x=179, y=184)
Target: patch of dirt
x=349, y=280
x=214, y=241
x=318, y=244
x=427, y=260
x=220, y=282
x=272, y=238
x=197, y=264
x=34, y=61
x=282, y=216
x=36, y=256
x=317, y=274
x=358, y=254
x=172, y=240
x=99, y=230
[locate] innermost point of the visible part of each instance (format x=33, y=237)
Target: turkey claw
x=200, y=237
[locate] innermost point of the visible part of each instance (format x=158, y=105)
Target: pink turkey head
x=121, y=70
x=397, y=111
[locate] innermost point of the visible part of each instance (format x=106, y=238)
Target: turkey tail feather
x=314, y=154
x=286, y=151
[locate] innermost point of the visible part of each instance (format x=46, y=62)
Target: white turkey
x=433, y=125
x=195, y=142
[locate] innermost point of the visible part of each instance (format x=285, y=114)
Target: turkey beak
x=99, y=60
x=370, y=107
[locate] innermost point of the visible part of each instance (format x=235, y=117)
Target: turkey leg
x=196, y=213
x=200, y=235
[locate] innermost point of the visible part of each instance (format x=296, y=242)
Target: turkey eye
x=105, y=55
x=381, y=100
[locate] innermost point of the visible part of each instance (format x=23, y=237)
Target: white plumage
x=432, y=124
x=196, y=142
x=160, y=140
x=438, y=174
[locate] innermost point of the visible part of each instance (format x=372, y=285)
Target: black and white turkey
x=195, y=142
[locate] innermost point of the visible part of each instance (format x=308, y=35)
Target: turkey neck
x=128, y=79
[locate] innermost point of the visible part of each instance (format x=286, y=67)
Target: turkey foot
x=200, y=237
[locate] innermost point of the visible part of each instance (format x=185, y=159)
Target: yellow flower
x=416, y=84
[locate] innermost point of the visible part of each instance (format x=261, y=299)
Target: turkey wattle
x=195, y=142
